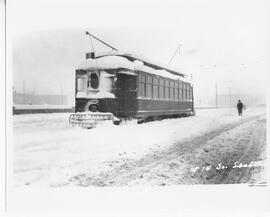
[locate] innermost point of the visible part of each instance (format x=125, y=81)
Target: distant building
x=34, y=99
x=225, y=100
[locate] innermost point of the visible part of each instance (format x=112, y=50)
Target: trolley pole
x=177, y=49
x=87, y=33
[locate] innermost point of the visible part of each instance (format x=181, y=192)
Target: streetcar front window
x=94, y=80
x=107, y=81
x=81, y=84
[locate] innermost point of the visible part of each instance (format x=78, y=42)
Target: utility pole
x=23, y=91
x=61, y=95
x=216, y=96
x=230, y=93
x=13, y=94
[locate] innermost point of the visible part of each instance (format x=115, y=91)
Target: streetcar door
x=127, y=94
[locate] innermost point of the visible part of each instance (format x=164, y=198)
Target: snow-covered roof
x=107, y=62
x=138, y=65
x=147, y=62
x=116, y=60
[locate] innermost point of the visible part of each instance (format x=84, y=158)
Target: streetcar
x=121, y=86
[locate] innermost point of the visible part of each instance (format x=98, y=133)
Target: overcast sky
x=223, y=42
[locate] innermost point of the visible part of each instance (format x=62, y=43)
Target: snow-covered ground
x=50, y=152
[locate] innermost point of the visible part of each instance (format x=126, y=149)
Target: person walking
x=240, y=107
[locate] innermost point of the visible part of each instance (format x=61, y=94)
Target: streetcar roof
x=108, y=62
x=146, y=62
x=117, y=60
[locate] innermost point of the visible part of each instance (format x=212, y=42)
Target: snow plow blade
x=89, y=120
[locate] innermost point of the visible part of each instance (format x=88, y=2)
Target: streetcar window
x=142, y=78
x=155, y=91
x=149, y=87
x=171, y=90
x=184, y=92
x=107, y=81
x=149, y=79
x=148, y=91
x=155, y=88
x=94, y=80
x=141, y=85
x=141, y=89
x=155, y=81
x=132, y=82
x=161, y=89
x=186, y=88
x=126, y=82
x=180, y=91
x=188, y=92
x=80, y=84
x=167, y=89
x=176, y=91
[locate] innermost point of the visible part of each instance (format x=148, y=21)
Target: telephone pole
x=23, y=91
x=61, y=95
x=216, y=96
x=230, y=93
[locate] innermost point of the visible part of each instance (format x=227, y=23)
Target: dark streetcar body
x=130, y=92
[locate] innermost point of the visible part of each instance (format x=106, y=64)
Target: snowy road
x=215, y=146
